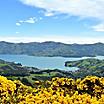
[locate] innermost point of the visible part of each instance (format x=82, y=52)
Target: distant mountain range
x=51, y=49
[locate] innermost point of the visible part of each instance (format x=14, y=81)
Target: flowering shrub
x=89, y=90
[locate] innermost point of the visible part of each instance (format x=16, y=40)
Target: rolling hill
x=52, y=49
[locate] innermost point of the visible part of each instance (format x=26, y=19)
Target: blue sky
x=69, y=21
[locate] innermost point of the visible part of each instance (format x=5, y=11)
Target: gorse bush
x=89, y=90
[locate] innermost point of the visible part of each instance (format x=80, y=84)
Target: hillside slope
x=52, y=49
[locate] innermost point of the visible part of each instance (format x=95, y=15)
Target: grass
x=1, y=65
x=30, y=78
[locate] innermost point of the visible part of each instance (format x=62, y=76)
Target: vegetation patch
x=89, y=90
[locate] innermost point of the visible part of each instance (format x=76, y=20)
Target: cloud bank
x=80, y=8
x=99, y=27
x=63, y=39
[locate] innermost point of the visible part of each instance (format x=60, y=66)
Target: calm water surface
x=43, y=62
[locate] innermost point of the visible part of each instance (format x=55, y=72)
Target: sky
x=67, y=21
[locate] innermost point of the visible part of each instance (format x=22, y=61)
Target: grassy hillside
x=28, y=75
x=87, y=67
x=52, y=49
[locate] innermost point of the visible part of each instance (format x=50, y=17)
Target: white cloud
x=18, y=24
x=21, y=21
x=17, y=32
x=82, y=8
x=48, y=14
x=64, y=39
x=99, y=27
x=31, y=20
x=40, y=18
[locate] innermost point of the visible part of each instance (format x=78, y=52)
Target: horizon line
x=62, y=39
x=52, y=41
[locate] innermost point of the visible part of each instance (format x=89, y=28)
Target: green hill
x=52, y=49
x=86, y=67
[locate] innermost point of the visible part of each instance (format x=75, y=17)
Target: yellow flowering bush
x=7, y=89
x=89, y=90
